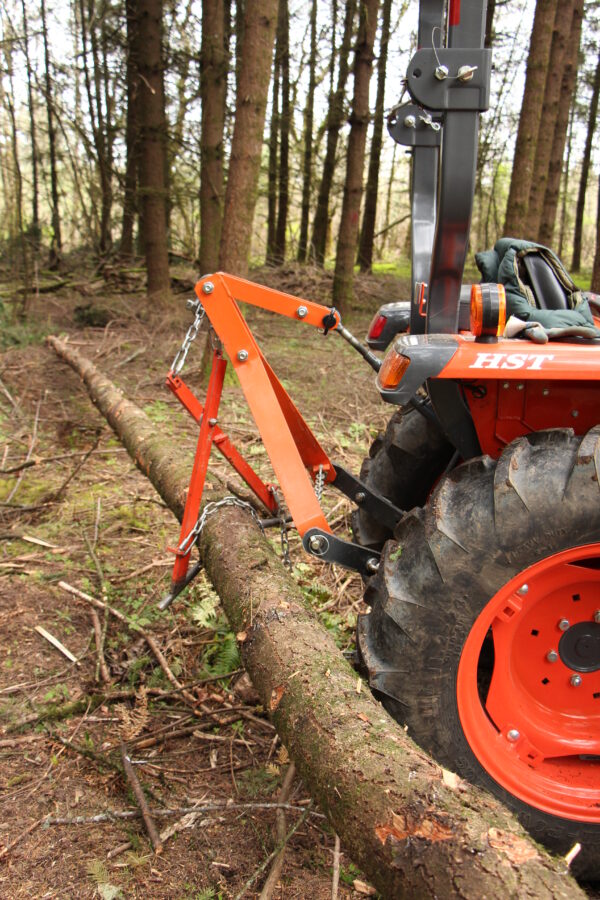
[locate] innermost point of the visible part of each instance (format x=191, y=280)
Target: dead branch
x=275, y=873
x=141, y=800
x=411, y=833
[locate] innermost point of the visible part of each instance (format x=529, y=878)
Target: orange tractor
x=478, y=517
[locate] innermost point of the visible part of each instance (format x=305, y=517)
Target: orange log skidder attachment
x=300, y=464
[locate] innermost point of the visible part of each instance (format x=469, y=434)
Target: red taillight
x=376, y=327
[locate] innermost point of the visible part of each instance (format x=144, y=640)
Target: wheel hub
x=579, y=647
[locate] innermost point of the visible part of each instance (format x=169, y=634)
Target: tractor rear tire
x=484, y=633
x=403, y=465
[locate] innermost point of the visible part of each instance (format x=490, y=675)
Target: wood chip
x=56, y=643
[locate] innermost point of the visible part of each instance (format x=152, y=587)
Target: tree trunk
x=585, y=171
x=246, y=148
x=272, y=178
x=55, y=255
x=153, y=135
x=353, y=186
x=213, y=89
x=529, y=119
x=595, y=286
x=283, y=49
x=564, y=217
x=555, y=168
x=34, y=229
x=547, y=127
x=335, y=118
x=132, y=131
x=414, y=830
x=367, y=233
x=309, y=111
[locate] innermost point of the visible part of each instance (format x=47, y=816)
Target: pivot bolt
x=513, y=735
x=552, y=656
x=212, y=422
x=465, y=73
x=410, y=122
x=563, y=624
x=441, y=73
x=524, y=589
x=575, y=680
x=372, y=565
x=597, y=616
x=302, y=312
x=360, y=497
x=242, y=355
x=318, y=543
x=208, y=287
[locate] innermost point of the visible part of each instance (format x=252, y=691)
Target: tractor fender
x=428, y=354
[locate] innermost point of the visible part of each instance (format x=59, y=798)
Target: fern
x=223, y=657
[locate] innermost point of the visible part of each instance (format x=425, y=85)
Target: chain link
x=209, y=510
x=191, y=335
x=282, y=513
x=320, y=483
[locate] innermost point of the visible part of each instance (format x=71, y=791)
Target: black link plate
x=344, y=553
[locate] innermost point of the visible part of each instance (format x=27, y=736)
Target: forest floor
x=75, y=510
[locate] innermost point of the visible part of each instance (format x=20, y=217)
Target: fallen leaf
x=276, y=695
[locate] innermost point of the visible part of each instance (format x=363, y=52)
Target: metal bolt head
x=212, y=422
x=372, y=565
x=597, y=616
x=574, y=413
x=524, y=589
x=410, y=122
x=563, y=624
x=318, y=543
x=465, y=73
x=575, y=680
x=520, y=387
x=441, y=73
x=513, y=735
x=552, y=656
x=242, y=355
x=545, y=392
x=302, y=312
x=360, y=497
x=208, y=287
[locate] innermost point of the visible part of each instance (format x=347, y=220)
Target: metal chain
x=209, y=510
x=191, y=335
x=320, y=483
x=282, y=513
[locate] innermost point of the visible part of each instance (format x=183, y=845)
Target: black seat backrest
x=547, y=289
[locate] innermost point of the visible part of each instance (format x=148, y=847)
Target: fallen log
x=414, y=829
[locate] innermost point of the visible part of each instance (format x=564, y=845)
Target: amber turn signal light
x=392, y=370
x=488, y=311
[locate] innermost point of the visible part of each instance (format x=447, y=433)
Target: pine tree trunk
x=308, y=137
x=564, y=217
x=595, y=286
x=359, y=121
x=34, y=229
x=274, y=130
x=529, y=119
x=132, y=131
x=283, y=43
x=367, y=233
x=55, y=255
x=547, y=127
x=246, y=148
x=152, y=148
x=585, y=171
x=413, y=829
x=555, y=168
x=213, y=88
x=335, y=119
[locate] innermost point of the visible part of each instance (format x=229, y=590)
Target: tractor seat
x=539, y=276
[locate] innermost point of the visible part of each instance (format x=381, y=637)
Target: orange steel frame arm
x=289, y=442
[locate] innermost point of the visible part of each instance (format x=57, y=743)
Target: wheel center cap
x=579, y=647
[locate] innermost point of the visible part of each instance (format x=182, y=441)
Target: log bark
x=415, y=830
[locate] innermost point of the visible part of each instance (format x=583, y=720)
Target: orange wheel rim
x=528, y=685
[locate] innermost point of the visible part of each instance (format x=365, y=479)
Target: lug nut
x=575, y=680
x=302, y=312
x=441, y=73
x=524, y=589
x=212, y=422
x=208, y=287
x=552, y=656
x=360, y=497
x=513, y=735
x=563, y=624
x=410, y=122
x=242, y=355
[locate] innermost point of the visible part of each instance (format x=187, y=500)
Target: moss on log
x=414, y=829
